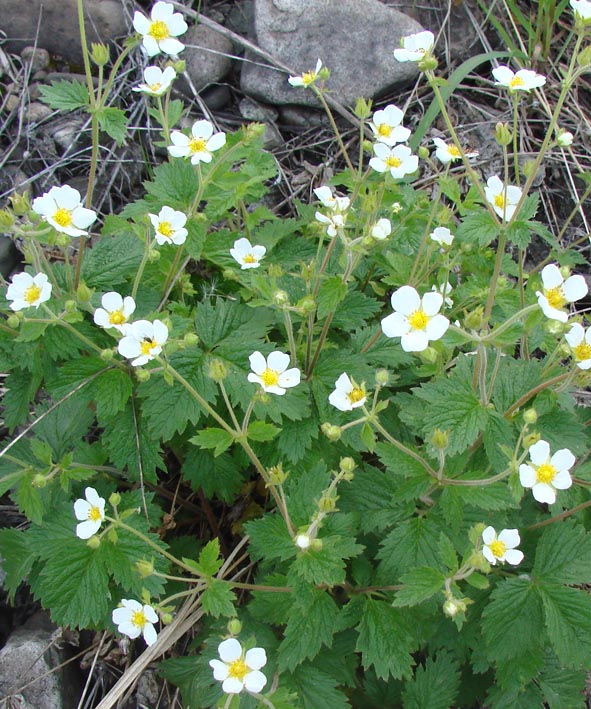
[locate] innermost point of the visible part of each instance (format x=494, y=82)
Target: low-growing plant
x=384, y=378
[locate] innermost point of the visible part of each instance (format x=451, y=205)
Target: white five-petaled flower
x=169, y=226
x=62, y=208
x=443, y=236
x=381, y=229
x=134, y=619
x=347, y=395
x=448, y=152
x=91, y=512
x=523, y=80
x=579, y=341
x=28, y=291
x=504, y=200
x=502, y=547
x=415, y=47
x=272, y=373
x=387, y=128
x=333, y=222
x=398, y=160
x=558, y=292
x=247, y=255
x=582, y=8
x=307, y=78
x=545, y=474
x=415, y=320
x=200, y=145
x=237, y=669
x=115, y=311
x=143, y=341
x=328, y=199
x=156, y=81
x=159, y=32
x=445, y=289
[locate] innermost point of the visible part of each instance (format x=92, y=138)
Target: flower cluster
x=247, y=255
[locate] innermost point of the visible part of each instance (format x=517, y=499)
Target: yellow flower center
x=63, y=217
x=500, y=200
x=165, y=228
x=270, y=377
x=249, y=258
x=32, y=294
x=94, y=514
x=546, y=473
x=116, y=317
x=355, y=395
x=159, y=30
x=197, y=145
x=392, y=161
x=308, y=77
x=555, y=297
x=238, y=669
x=138, y=618
x=155, y=87
x=583, y=352
x=418, y=320
x=384, y=130
x=498, y=548
x=454, y=151
x=516, y=81
x=147, y=345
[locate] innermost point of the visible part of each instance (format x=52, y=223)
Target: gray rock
x=258, y=112
x=207, y=56
x=36, y=58
x=53, y=24
x=217, y=97
x=354, y=38
x=37, y=111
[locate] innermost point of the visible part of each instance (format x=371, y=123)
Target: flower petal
x=527, y=475
x=563, y=460
x=220, y=669
x=489, y=535
x=256, y=658
x=254, y=681
x=230, y=650
x=514, y=556
x=539, y=452
x=406, y=300
x=395, y=325
x=510, y=537
x=575, y=288
x=551, y=276
x=562, y=480
x=544, y=493
x=150, y=634
x=279, y=361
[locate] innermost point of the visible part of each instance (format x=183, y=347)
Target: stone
x=355, y=39
x=36, y=58
x=37, y=111
x=53, y=25
x=68, y=131
x=207, y=54
x=253, y=111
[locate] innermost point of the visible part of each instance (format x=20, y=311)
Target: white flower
x=159, y=32
x=135, y=619
x=415, y=47
x=579, y=341
x=273, y=373
x=564, y=138
x=386, y=126
x=396, y=207
x=523, y=80
x=202, y=143
x=307, y=78
x=336, y=204
x=303, y=541
x=443, y=236
x=399, y=160
x=381, y=229
x=91, y=511
x=62, y=208
x=239, y=670
x=546, y=474
x=143, y=341
x=504, y=200
x=115, y=311
x=557, y=292
x=582, y=8
x=502, y=547
x=246, y=255
x=415, y=320
x=334, y=222
x=448, y=152
x=445, y=289
x=347, y=395
x=28, y=291
x=156, y=81
x=169, y=226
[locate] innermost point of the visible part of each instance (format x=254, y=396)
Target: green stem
x=334, y=127
x=290, y=337
x=502, y=241
x=401, y=447
x=171, y=275
x=142, y=266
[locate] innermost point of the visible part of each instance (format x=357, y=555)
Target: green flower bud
x=234, y=626
x=453, y=606
x=564, y=138
x=179, y=66
x=191, y=339
x=275, y=270
x=144, y=568
x=99, y=53
x=429, y=355
x=423, y=152
x=13, y=321
x=39, y=481
x=93, y=542
x=367, y=146
x=6, y=219
x=62, y=240
x=112, y=536
x=327, y=504
x=83, y=293
x=217, y=370
x=166, y=618
x=362, y=108
x=280, y=297
x=142, y=375
x=347, y=465
x=306, y=305
x=440, y=439
x=396, y=208
x=316, y=545
x=528, y=167
x=584, y=57
x=503, y=134
x=153, y=255
x=107, y=355
x=70, y=306
x=529, y=440
x=229, y=274
x=474, y=320
x=21, y=205
x=324, y=73
x=114, y=499
x=530, y=416
x=382, y=377
x=332, y=432
x=277, y=476
x=428, y=63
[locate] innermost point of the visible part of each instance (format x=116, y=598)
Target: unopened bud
x=324, y=73
x=528, y=167
x=280, y=297
x=530, y=439
x=277, y=476
x=503, y=134
x=423, y=152
x=62, y=240
x=144, y=568
x=21, y=205
x=93, y=543
x=191, y=339
x=316, y=545
x=332, y=432
x=99, y=53
x=70, y=306
x=13, y=321
x=452, y=606
x=303, y=541
x=166, y=618
x=179, y=66
x=362, y=109
x=347, y=465
x=112, y=536
x=275, y=270
x=530, y=416
x=474, y=320
x=584, y=57
x=153, y=255
x=234, y=626
x=382, y=377
x=367, y=146
x=306, y=305
x=6, y=219
x=114, y=499
x=327, y=504
x=217, y=370
x=39, y=481
x=429, y=355
x=428, y=63
x=83, y=293
x=440, y=439
x=107, y=355
x=396, y=208
x=142, y=375
x=564, y=138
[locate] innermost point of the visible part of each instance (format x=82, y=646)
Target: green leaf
x=114, y=122
x=412, y=543
x=17, y=559
x=479, y=228
x=28, y=498
x=65, y=95
x=218, y=477
x=111, y=393
x=261, y=431
x=296, y=437
x=112, y=261
x=418, y=585
x=21, y=388
x=563, y=554
x=368, y=437
x=326, y=565
x=563, y=689
x=435, y=685
x=217, y=438
x=330, y=294
x=315, y=688
x=209, y=558
x=271, y=608
x=568, y=623
x=270, y=539
x=175, y=184
x=385, y=640
x=218, y=599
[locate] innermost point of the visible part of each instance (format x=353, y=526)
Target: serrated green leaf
x=270, y=539
x=209, y=558
x=315, y=688
x=175, y=184
x=368, y=437
x=412, y=543
x=272, y=608
x=261, y=431
x=296, y=437
x=28, y=498
x=563, y=554
x=479, y=228
x=65, y=95
x=17, y=559
x=435, y=684
x=219, y=476
x=326, y=565
x=477, y=580
x=330, y=294
x=111, y=392
x=216, y=438
x=218, y=599
x=20, y=392
x=418, y=585
x=568, y=623
x=563, y=689
x=114, y=122
x=112, y=261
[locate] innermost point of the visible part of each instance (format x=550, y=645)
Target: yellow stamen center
x=308, y=77
x=498, y=548
x=155, y=87
x=384, y=130
x=516, y=81
x=94, y=514
x=355, y=395
x=583, y=352
x=165, y=228
x=418, y=320
x=555, y=297
x=63, y=217
x=454, y=151
x=238, y=669
x=500, y=201
x=32, y=294
x=116, y=317
x=197, y=145
x=546, y=473
x=147, y=345
x=270, y=377
x=249, y=258
x=393, y=161
x=159, y=30
x=138, y=618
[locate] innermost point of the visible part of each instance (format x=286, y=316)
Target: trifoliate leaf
x=480, y=228
x=418, y=585
x=435, y=684
x=217, y=439
x=65, y=95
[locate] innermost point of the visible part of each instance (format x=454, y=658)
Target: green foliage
x=65, y=95
x=114, y=122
